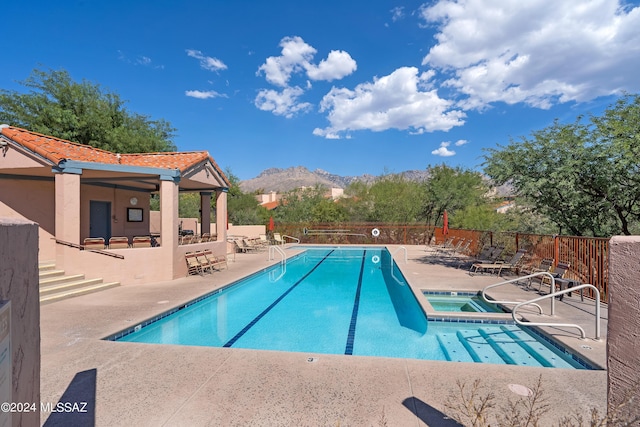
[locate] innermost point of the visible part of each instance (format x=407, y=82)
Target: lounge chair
x=488, y=255
x=186, y=240
x=95, y=243
x=252, y=245
x=512, y=264
x=277, y=238
x=448, y=243
x=206, y=237
x=544, y=265
x=118, y=243
x=216, y=261
x=263, y=240
x=141, y=242
x=193, y=266
x=204, y=262
x=451, y=248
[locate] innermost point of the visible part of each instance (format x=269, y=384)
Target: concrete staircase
x=56, y=286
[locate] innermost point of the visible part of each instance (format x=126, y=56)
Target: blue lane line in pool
x=354, y=315
x=273, y=304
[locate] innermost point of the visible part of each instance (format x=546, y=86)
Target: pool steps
x=56, y=286
x=503, y=344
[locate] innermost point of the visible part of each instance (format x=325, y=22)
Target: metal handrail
x=517, y=279
x=291, y=237
x=280, y=251
x=566, y=325
x=82, y=248
x=405, y=253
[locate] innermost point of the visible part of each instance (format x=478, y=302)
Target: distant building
x=272, y=199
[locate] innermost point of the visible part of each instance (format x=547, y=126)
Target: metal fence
x=588, y=257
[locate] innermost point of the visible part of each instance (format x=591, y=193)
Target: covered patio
x=76, y=192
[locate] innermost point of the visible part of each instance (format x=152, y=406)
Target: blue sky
x=350, y=87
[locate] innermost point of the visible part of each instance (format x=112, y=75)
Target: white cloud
x=281, y=103
x=295, y=54
x=461, y=142
x=443, y=151
x=207, y=62
x=296, y=57
x=203, y=94
x=337, y=65
x=397, y=13
x=526, y=51
x=402, y=100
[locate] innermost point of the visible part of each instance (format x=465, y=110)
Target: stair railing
x=517, y=279
x=80, y=247
x=566, y=325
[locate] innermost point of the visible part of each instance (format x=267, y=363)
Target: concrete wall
x=120, y=201
x=32, y=200
x=19, y=284
x=623, y=344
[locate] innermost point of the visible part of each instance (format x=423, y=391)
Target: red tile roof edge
x=18, y=135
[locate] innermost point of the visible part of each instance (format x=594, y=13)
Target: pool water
x=461, y=303
x=339, y=301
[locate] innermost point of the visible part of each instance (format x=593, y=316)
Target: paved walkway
x=127, y=384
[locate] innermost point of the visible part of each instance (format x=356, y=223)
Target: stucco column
x=221, y=215
x=169, y=214
x=67, y=199
x=205, y=212
x=623, y=334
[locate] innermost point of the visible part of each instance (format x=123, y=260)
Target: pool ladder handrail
x=405, y=253
x=552, y=296
x=517, y=279
x=274, y=248
x=391, y=264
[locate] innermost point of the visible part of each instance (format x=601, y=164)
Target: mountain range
x=283, y=180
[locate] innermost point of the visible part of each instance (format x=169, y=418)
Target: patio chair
x=251, y=245
x=558, y=272
x=118, y=242
x=186, y=240
x=216, y=261
x=277, y=238
x=448, y=243
x=204, y=262
x=141, y=242
x=512, y=264
x=460, y=249
x=488, y=255
x=544, y=265
x=263, y=240
x=193, y=266
x=451, y=248
x=206, y=237
x=93, y=243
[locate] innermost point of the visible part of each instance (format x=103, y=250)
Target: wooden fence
x=587, y=256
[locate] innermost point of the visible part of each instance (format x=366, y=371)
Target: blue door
x=100, y=219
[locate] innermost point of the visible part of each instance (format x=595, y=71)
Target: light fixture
x=133, y=201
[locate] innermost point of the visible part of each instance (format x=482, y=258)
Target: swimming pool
x=352, y=301
x=460, y=302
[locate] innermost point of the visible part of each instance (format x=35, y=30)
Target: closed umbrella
x=271, y=225
x=445, y=223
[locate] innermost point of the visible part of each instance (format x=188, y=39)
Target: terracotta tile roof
x=271, y=205
x=56, y=150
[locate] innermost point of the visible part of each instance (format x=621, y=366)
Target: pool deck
x=126, y=384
